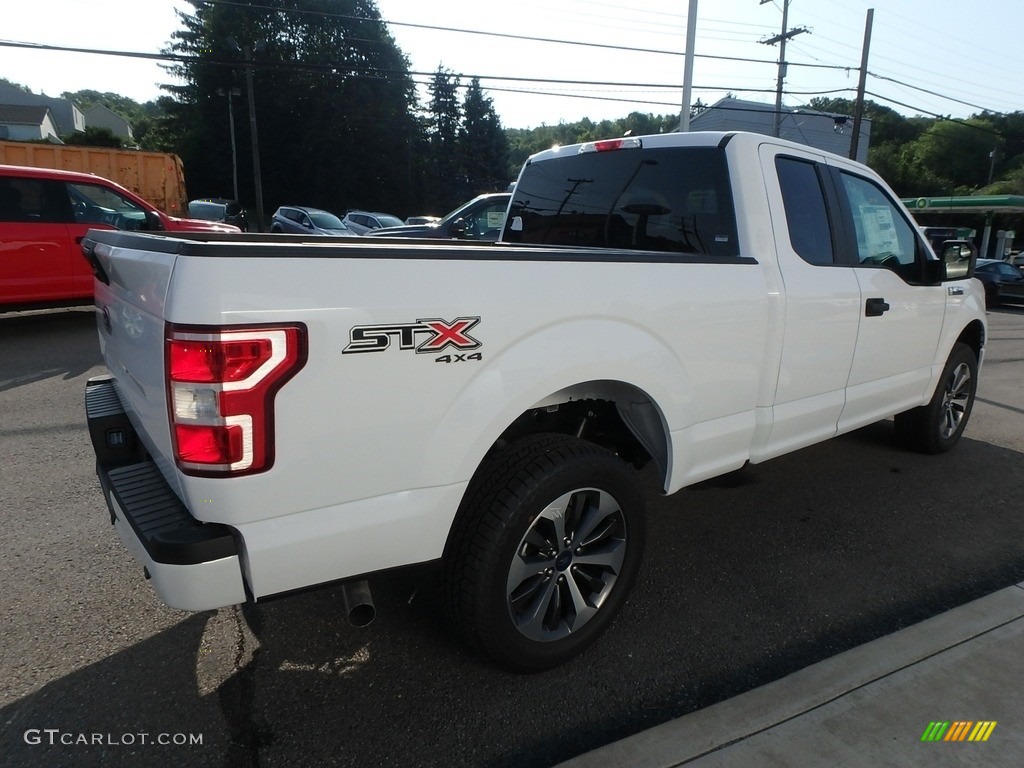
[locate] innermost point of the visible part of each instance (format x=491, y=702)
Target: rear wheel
x=547, y=548
x=936, y=427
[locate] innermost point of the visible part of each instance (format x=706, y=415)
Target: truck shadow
x=70, y=338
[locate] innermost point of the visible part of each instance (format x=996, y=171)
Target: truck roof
x=47, y=173
x=676, y=139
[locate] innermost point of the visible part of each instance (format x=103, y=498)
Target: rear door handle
x=875, y=307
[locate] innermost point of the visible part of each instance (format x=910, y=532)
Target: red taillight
x=221, y=384
x=200, y=361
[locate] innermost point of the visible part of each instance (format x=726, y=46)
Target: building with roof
x=66, y=116
x=99, y=116
x=823, y=130
x=27, y=123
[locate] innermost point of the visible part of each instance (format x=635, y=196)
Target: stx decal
x=425, y=336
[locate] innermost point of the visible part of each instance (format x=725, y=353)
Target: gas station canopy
x=983, y=205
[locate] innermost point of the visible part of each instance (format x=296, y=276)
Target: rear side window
x=667, y=199
x=33, y=200
x=806, y=215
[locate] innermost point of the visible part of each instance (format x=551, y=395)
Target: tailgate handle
x=89, y=251
x=875, y=307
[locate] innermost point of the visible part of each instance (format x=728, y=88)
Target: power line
x=356, y=72
x=939, y=95
x=507, y=36
x=937, y=116
x=334, y=67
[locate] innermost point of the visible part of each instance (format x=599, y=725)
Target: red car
x=45, y=213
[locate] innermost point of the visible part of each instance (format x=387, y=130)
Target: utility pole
x=247, y=55
x=691, y=37
x=858, y=110
x=781, y=40
x=231, y=124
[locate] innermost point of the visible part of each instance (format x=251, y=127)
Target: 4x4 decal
x=425, y=336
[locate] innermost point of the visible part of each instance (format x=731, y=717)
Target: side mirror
x=959, y=258
x=458, y=228
x=153, y=222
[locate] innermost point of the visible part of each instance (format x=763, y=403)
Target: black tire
x=936, y=427
x=991, y=296
x=546, y=548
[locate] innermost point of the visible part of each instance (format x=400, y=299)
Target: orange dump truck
x=158, y=177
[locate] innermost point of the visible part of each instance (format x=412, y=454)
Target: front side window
x=884, y=237
x=665, y=199
x=485, y=222
x=803, y=197
x=94, y=204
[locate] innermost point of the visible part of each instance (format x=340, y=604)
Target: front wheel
x=936, y=427
x=547, y=548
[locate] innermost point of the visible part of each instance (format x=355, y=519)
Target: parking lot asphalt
x=749, y=581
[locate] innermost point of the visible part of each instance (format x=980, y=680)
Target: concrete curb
x=988, y=623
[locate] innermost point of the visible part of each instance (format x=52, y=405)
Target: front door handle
x=875, y=307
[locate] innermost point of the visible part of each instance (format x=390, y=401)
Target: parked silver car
x=361, y=222
x=300, y=220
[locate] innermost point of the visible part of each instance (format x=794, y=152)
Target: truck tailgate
x=130, y=289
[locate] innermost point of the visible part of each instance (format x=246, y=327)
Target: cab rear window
x=668, y=199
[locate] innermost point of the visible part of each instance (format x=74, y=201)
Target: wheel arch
x=973, y=335
x=614, y=414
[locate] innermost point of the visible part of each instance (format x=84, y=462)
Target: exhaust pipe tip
x=359, y=606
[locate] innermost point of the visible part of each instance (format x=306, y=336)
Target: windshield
x=207, y=211
x=326, y=220
x=389, y=221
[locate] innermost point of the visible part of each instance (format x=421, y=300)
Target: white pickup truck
x=282, y=413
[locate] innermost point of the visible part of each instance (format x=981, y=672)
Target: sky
x=600, y=59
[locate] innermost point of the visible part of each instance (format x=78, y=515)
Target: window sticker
x=879, y=230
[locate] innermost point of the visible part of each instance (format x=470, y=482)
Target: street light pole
x=231, y=123
x=244, y=50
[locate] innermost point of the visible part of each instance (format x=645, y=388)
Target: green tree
x=334, y=103
x=957, y=153
x=483, y=146
x=445, y=188
x=93, y=136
